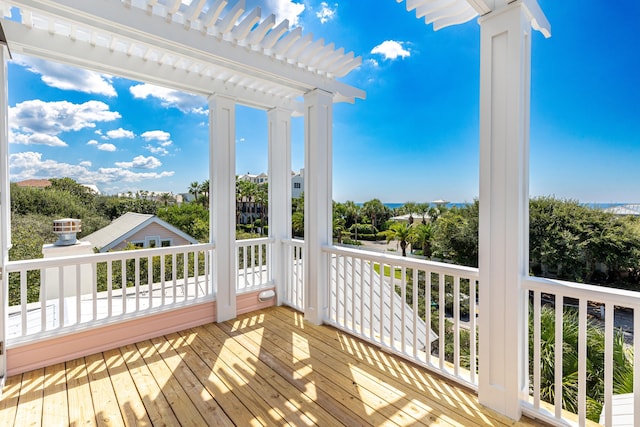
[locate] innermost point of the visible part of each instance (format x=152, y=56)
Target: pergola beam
x=139, y=27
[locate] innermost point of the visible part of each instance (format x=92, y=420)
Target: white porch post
x=279, y=192
x=222, y=120
x=318, y=112
x=5, y=202
x=505, y=52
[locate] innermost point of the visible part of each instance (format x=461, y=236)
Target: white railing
x=600, y=358
x=294, y=273
x=99, y=288
x=253, y=258
x=424, y=311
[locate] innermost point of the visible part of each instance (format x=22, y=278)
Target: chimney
x=66, y=230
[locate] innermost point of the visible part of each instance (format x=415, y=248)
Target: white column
x=5, y=201
x=279, y=192
x=222, y=135
x=505, y=52
x=318, y=116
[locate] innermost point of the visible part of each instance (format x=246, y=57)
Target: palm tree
x=424, y=233
x=423, y=209
x=166, y=198
x=204, y=190
x=410, y=208
x=262, y=200
x=353, y=213
x=194, y=189
x=403, y=233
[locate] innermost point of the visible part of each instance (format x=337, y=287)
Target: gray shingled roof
x=126, y=225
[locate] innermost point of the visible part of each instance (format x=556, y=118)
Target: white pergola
x=216, y=49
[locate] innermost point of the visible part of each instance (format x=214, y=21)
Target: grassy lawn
x=387, y=271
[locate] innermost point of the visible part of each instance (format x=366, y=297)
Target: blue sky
x=415, y=137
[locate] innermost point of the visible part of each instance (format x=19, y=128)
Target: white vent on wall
x=66, y=230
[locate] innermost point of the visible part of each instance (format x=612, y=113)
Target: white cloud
x=157, y=150
x=30, y=165
x=92, y=142
x=141, y=162
x=67, y=78
x=107, y=147
x=371, y=62
x=391, y=49
x=36, y=139
x=52, y=118
x=184, y=102
x=119, y=133
x=157, y=135
x=166, y=143
x=286, y=9
x=85, y=164
x=326, y=13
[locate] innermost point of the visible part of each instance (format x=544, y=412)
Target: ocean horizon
x=462, y=204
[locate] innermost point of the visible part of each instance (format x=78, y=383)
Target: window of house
x=165, y=243
x=296, y=185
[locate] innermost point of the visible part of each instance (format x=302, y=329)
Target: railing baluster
x=43, y=303
x=94, y=290
x=582, y=361
x=392, y=305
x=78, y=295
x=416, y=308
x=371, y=291
x=185, y=269
x=60, y=297
x=456, y=325
x=174, y=276
x=558, y=355
x=23, y=301
x=354, y=285
x=381, y=288
x=427, y=315
x=636, y=365
x=609, y=314
x=536, y=349
x=441, y=321
x=403, y=307
x=123, y=284
x=363, y=286
x=137, y=282
x=150, y=281
x=109, y=288
x=472, y=331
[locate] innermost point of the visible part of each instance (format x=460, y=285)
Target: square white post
x=505, y=53
x=318, y=116
x=5, y=203
x=222, y=137
x=279, y=193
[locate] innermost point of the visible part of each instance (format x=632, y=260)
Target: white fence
x=590, y=315
x=423, y=311
x=253, y=258
x=97, y=288
x=294, y=274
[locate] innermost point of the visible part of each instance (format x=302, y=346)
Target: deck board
x=266, y=368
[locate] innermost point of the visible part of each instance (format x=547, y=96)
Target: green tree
x=455, y=235
x=424, y=234
x=376, y=211
x=403, y=233
x=191, y=218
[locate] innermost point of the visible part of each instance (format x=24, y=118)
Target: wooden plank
x=132, y=409
x=55, y=408
x=425, y=390
x=9, y=400
x=30, y=402
x=105, y=403
x=79, y=394
x=238, y=382
x=263, y=380
x=201, y=398
x=370, y=409
x=158, y=409
x=317, y=404
x=232, y=406
x=184, y=410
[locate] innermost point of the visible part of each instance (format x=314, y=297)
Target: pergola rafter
x=203, y=48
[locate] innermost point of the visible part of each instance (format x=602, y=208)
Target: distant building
x=631, y=209
x=142, y=230
x=297, y=184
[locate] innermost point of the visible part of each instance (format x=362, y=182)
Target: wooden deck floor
x=264, y=368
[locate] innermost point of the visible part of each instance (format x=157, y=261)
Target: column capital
x=532, y=12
